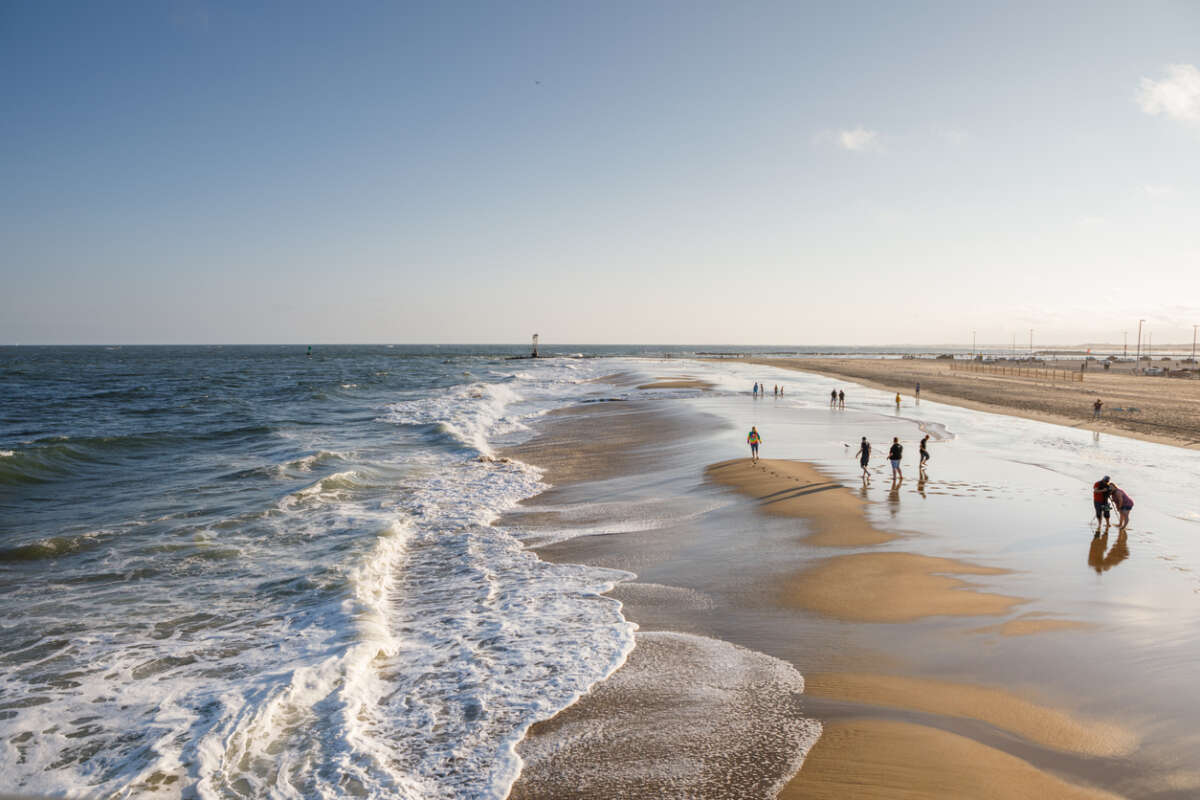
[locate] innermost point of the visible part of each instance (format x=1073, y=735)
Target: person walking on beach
x=918, y=390
x=897, y=401
x=1100, y=491
x=895, y=452
x=864, y=457
x=1096, y=406
x=754, y=440
x=841, y=399
x=924, y=453
x=755, y=390
x=1122, y=501
x=832, y=397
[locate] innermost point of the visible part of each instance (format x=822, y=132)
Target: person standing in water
x=895, y=452
x=841, y=399
x=754, y=440
x=1122, y=501
x=755, y=390
x=897, y=401
x=918, y=390
x=832, y=397
x=864, y=457
x=924, y=452
x=1100, y=490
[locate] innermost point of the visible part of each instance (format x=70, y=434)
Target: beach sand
x=863, y=626
x=1168, y=409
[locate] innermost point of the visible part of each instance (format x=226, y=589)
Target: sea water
x=241, y=571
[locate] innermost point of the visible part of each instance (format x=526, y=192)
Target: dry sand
x=1168, y=408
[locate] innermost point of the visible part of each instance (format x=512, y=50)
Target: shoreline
x=1180, y=428
x=880, y=714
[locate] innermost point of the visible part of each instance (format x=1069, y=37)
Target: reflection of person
x=1100, y=501
x=1122, y=501
x=1101, y=561
x=864, y=456
x=753, y=439
x=921, y=478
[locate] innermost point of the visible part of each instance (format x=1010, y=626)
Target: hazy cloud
x=858, y=139
x=1177, y=96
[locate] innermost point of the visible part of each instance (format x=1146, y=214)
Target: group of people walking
x=761, y=388
x=1106, y=494
x=894, y=456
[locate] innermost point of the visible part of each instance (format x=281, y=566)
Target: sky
x=599, y=172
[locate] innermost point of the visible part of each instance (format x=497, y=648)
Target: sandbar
x=797, y=489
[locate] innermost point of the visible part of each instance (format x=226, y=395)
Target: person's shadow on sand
x=1102, y=561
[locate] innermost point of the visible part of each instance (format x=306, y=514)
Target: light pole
x=1138, y=362
x=1126, y=353
x=972, y=343
x=1031, y=344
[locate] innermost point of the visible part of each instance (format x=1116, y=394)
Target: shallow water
x=999, y=492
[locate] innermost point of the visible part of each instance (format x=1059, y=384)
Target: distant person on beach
x=924, y=452
x=833, y=397
x=841, y=399
x=1100, y=490
x=1122, y=501
x=895, y=452
x=754, y=440
x=897, y=400
x=864, y=457
x=918, y=388
x=1096, y=406
x=781, y=391
x=755, y=389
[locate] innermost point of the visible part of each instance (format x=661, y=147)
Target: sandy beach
x=933, y=663
x=1153, y=408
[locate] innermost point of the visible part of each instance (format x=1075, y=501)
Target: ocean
x=245, y=571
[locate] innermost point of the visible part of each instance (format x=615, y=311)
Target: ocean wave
x=52, y=547
x=468, y=415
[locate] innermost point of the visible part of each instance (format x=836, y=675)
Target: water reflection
x=1101, y=558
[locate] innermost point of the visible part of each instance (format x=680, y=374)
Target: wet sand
x=1167, y=409
x=796, y=489
x=889, y=730
x=901, y=760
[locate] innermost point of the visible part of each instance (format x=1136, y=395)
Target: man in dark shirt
x=1100, y=492
x=864, y=457
x=894, y=454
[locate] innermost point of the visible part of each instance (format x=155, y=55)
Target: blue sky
x=638, y=172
